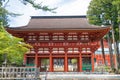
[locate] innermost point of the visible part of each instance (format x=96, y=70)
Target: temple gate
x=60, y=43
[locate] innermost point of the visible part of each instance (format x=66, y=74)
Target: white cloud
x=65, y=7
x=78, y=7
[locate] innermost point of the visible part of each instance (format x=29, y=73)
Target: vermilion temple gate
x=61, y=43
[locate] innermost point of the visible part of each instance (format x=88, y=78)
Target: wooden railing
x=29, y=73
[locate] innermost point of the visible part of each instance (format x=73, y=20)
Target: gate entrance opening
x=86, y=64
x=58, y=64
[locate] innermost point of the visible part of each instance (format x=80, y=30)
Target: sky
x=64, y=8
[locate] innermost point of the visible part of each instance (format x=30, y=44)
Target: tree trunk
x=115, y=48
x=103, y=52
x=110, y=51
x=119, y=45
x=118, y=53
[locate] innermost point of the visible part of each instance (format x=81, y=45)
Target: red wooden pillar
x=80, y=63
x=39, y=63
x=66, y=64
x=25, y=59
x=36, y=57
x=66, y=61
x=36, y=60
x=51, y=63
x=92, y=60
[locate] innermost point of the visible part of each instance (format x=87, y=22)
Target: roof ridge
x=74, y=16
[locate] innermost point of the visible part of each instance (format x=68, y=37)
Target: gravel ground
x=80, y=77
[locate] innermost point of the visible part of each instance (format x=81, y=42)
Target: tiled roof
x=58, y=22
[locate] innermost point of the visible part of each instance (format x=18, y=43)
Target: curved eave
x=57, y=29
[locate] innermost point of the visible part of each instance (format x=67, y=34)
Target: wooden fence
x=18, y=73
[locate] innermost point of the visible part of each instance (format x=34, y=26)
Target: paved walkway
x=80, y=77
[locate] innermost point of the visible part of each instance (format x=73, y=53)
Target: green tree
x=105, y=12
x=13, y=47
x=74, y=61
x=116, y=3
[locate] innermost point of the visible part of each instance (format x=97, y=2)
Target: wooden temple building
x=61, y=43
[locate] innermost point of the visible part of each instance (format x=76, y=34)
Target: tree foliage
x=104, y=12
x=12, y=46
x=117, y=4
x=74, y=61
x=38, y=6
